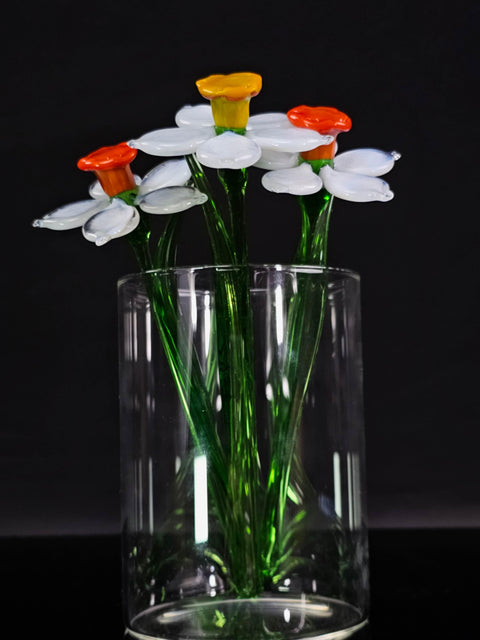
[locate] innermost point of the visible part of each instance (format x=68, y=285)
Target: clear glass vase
x=242, y=439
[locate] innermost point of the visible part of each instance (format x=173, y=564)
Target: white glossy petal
x=228, y=151
x=268, y=120
x=175, y=141
x=114, y=221
x=71, y=216
x=355, y=187
x=171, y=200
x=299, y=181
x=172, y=173
x=199, y=115
x=289, y=139
x=273, y=160
x=369, y=162
x=95, y=190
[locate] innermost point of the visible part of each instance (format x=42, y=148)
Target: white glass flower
x=270, y=140
x=354, y=175
x=163, y=190
x=221, y=134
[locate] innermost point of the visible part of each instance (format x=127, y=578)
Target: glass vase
x=242, y=442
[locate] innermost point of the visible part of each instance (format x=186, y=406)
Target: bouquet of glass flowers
x=259, y=510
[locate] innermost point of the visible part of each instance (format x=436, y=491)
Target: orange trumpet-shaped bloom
x=111, y=166
x=325, y=120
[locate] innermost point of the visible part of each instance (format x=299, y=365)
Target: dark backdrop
x=82, y=75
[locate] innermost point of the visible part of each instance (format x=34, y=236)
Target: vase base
x=248, y=619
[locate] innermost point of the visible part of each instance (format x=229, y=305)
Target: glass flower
x=111, y=211
x=223, y=136
x=352, y=175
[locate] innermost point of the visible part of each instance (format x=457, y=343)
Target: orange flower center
x=111, y=166
x=325, y=120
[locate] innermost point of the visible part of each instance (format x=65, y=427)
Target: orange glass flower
x=324, y=120
x=230, y=97
x=111, y=166
x=233, y=86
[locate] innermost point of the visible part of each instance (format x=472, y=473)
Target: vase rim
x=300, y=268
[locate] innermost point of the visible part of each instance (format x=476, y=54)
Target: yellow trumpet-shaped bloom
x=233, y=86
x=230, y=97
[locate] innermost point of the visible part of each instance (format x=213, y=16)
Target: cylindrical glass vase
x=242, y=441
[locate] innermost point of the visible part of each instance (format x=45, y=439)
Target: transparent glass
x=242, y=441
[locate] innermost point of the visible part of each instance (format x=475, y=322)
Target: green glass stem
x=304, y=327
x=167, y=245
x=193, y=394
x=316, y=209
x=234, y=182
x=289, y=382
x=219, y=240
x=235, y=366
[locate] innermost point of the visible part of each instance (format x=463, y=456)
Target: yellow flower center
x=230, y=97
x=230, y=115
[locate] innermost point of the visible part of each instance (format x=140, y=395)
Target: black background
x=79, y=76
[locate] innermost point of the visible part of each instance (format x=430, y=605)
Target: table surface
x=424, y=584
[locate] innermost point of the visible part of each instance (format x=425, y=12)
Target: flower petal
x=114, y=221
x=228, y=151
x=71, y=216
x=289, y=139
x=355, y=187
x=199, y=115
x=267, y=121
x=172, y=173
x=96, y=192
x=299, y=181
x=368, y=162
x=273, y=160
x=172, y=142
x=171, y=200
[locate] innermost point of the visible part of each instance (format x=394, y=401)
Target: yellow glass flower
x=230, y=97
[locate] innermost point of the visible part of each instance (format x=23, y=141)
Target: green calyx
x=318, y=164
x=128, y=196
x=240, y=131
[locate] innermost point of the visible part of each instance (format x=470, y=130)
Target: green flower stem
x=234, y=182
x=235, y=365
x=219, y=240
x=167, y=245
x=316, y=209
x=194, y=396
x=304, y=327
x=238, y=378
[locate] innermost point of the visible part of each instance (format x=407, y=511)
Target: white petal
x=355, y=187
x=199, y=115
x=172, y=173
x=172, y=142
x=299, y=181
x=114, y=221
x=171, y=200
x=288, y=138
x=272, y=160
x=228, y=151
x=369, y=162
x=268, y=120
x=95, y=190
x=71, y=216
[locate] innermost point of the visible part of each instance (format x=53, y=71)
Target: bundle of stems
x=259, y=541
